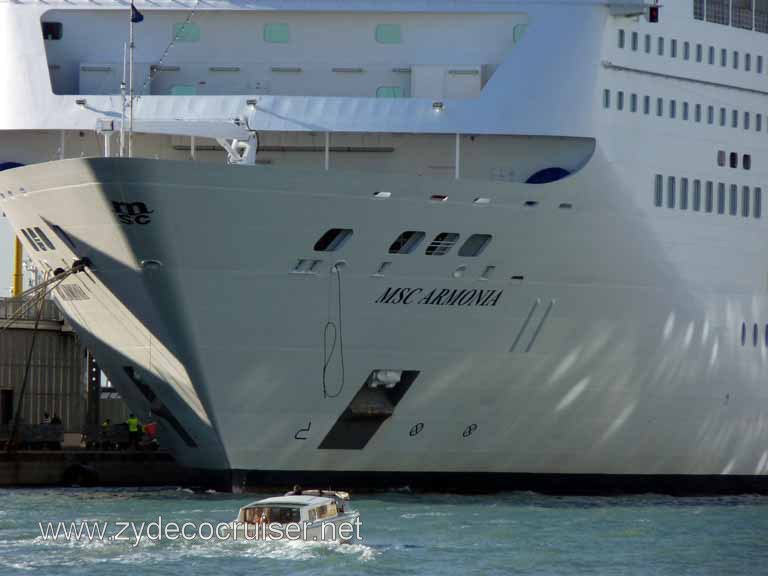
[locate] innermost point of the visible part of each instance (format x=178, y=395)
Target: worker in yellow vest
x=134, y=434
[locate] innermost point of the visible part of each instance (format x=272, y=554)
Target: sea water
x=402, y=533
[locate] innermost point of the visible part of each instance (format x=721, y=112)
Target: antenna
x=122, y=100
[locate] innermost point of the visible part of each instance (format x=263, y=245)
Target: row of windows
x=746, y=14
x=684, y=110
x=755, y=335
x=733, y=160
x=707, y=196
x=684, y=51
x=273, y=32
x=409, y=240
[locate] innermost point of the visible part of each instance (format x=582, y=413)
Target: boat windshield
x=271, y=514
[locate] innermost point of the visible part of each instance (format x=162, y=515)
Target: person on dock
x=56, y=419
x=46, y=418
x=133, y=431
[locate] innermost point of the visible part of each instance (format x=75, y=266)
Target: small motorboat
x=312, y=515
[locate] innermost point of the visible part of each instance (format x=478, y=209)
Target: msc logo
x=132, y=212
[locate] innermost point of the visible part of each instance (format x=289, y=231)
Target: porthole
x=407, y=242
x=333, y=239
x=475, y=245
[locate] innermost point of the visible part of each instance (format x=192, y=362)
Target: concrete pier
x=90, y=468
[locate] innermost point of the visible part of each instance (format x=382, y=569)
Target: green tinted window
x=277, y=33
x=389, y=92
x=389, y=34
x=186, y=32
x=183, y=90
x=518, y=32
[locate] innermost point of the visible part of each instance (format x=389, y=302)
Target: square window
x=389, y=34
x=475, y=245
x=52, y=30
x=442, y=244
x=277, y=33
x=186, y=32
x=407, y=242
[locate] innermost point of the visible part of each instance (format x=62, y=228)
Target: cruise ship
x=444, y=244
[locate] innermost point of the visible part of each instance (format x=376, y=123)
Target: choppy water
x=405, y=534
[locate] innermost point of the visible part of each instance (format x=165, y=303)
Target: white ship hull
x=598, y=358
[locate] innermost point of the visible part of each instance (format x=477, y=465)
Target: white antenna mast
x=130, y=86
x=122, y=107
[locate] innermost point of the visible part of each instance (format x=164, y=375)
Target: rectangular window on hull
x=723, y=57
x=699, y=52
x=711, y=56
x=671, y=192
x=721, y=198
x=685, y=111
x=620, y=100
x=710, y=199
x=621, y=38
x=759, y=65
x=735, y=119
x=442, y=244
x=710, y=114
x=745, y=201
x=389, y=34
x=277, y=33
x=646, y=104
x=633, y=103
x=659, y=107
x=747, y=120
x=698, y=9
x=748, y=62
x=661, y=46
x=697, y=195
x=733, y=207
x=606, y=98
x=673, y=48
x=658, y=193
x=686, y=50
x=761, y=15
x=698, y=112
x=634, y=41
x=723, y=115
x=758, y=122
x=648, y=43
x=684, y=194
x=758, y=203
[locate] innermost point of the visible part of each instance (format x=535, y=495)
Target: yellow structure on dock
x=18, y=253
